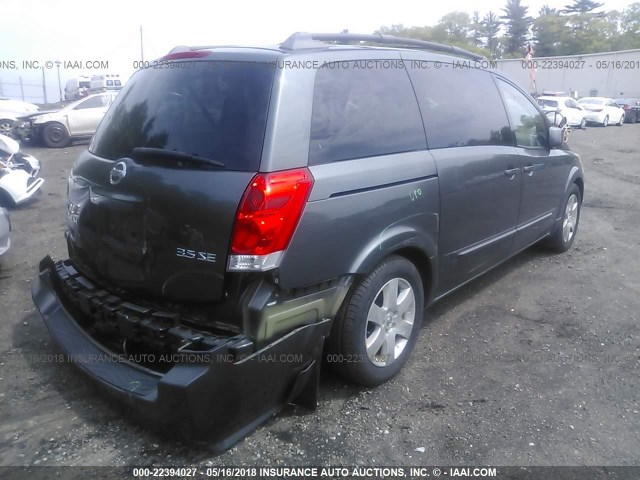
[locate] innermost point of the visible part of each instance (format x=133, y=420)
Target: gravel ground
x=536, y=363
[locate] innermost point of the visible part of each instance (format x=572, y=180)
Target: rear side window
x=363, y=112
x=93, y=102
x=212, y=109
x=529, y=126
x=460, y=107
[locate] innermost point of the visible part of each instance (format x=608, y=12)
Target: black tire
x=606, y=121
x=633, y=119
x=55, y=135
x=557, y=240
x=621, y=122
x=347, y=352
x=5, y=199
x=583, y=124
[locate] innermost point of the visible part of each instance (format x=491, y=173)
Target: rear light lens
x=268, y=215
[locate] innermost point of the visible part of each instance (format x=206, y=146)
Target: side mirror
x=557, y=137
x=556, y=119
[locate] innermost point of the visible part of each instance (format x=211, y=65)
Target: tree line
x=578, y=28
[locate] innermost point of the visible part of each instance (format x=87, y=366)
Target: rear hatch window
x=211, y=109
x=547, y=103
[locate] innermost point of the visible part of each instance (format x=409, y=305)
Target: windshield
x=591, y=101
x=216, y=110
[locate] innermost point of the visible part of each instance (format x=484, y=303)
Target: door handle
x=529, y=169
x=511, y=172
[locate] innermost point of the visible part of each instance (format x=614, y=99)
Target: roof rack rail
x=303, y=40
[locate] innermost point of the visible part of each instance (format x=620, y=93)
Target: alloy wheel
x=5, y=128
x=570, y=220
x=390, y=322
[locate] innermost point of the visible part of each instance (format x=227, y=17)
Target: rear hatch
x=151, y=204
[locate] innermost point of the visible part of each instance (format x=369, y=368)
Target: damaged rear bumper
x=218, y=393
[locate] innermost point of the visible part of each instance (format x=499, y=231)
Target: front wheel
x=605, y=122
x=55, y=135
x=5, y=127
x=564, y=233
x=583, y=124
x=376, y=329
x=621, y=122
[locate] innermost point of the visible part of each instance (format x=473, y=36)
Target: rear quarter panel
x=359, y=212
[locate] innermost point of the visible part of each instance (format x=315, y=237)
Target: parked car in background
x=197, y=220
x=5, y=231
x=18, y=106
x=77, y=87
x=565, y=106
x=10, y=110
x=602, y=110
x=75, y=121
x=631, y=107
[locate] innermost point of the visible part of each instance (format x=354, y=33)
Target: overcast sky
x=72, y=30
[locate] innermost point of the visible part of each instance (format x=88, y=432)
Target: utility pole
x=21, y=88
x=44, y=86
x=58, y=62
x=141, y=47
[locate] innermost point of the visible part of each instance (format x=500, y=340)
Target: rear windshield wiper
x=187, y=157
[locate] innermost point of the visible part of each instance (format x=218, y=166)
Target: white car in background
x=565, y=106
x=79, y=119
x=602, y=110
x=10, y=110
x=17, y=106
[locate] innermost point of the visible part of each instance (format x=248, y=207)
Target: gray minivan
x=242, y=213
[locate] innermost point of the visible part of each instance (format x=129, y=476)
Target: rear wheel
x=583, y=124
x=377, y=327
x=565, y=232
x=55, y=135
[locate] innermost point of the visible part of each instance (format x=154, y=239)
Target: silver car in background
x=58, y=128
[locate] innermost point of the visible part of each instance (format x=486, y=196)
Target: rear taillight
x=625, y=107
x=267, y=217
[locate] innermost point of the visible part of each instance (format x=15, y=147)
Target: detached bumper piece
x=218, y=390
